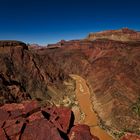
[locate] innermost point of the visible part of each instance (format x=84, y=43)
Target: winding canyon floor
x=89, y=116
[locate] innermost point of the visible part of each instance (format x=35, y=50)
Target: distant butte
x=123, y=34
x=10, y=43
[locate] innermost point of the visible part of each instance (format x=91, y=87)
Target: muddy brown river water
x=91, y=119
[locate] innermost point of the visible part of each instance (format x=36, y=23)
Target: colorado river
x=83, y=97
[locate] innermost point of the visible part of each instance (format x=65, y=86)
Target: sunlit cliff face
x=124, y=34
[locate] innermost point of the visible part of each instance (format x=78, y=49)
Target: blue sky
x=48, y=21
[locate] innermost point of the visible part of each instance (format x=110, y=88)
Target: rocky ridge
x=26, y=75
x=29, y=121
x=123, y=34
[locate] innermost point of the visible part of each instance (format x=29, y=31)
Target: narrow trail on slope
x=83, y=98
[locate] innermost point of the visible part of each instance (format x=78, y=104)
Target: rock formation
x=29, y=121
x=124, y=34
x=25, y=74
x=130, y=136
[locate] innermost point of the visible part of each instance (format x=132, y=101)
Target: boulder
x=130, y=136
x=29, y=121
x=81, y=132
x=41, y=130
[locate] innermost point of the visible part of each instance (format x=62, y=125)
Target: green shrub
x=136, y=107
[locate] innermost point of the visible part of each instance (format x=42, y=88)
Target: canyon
x=97, y=79
x=90, y=117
